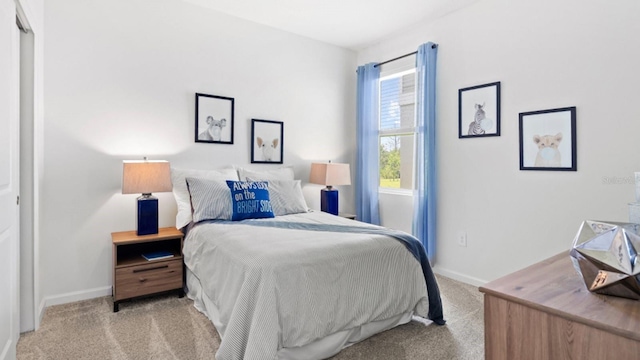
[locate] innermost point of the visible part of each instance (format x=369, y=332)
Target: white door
x=9, y=169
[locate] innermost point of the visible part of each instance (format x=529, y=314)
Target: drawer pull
x=149, y=269
x=142, y=279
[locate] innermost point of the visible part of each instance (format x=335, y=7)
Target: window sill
x=390, y=191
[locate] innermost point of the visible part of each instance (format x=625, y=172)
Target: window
x=397, y=130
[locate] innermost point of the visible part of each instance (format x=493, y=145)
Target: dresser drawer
x=146, y=279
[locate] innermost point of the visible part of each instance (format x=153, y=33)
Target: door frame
x=30, y=13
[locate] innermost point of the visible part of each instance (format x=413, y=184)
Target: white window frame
x=400, y=131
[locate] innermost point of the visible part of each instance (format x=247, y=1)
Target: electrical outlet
x=462, y=239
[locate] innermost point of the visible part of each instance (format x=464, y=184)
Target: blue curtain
x=367, y=144
x=424, y=212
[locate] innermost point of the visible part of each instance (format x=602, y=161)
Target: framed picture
x=548, y=140
x=479, y=111
x=267, y=137
x=214, y=119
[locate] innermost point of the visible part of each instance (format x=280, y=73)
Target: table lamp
x=146, y=177
x=329, y=174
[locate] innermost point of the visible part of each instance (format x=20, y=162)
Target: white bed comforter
x=279, y=288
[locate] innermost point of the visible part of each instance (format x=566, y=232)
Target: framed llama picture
x=267, y=141
x=548, y=140
x=479, y=111
x=214, y=119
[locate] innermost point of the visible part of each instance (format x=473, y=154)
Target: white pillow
x=286, y=197
x=284, y=173
x=181, y=193
x=210, y=199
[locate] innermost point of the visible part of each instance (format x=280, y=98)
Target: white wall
x=390, y=202
x=121, y=82
x=547, y=54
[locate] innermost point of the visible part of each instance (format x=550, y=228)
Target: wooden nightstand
x=347, y=216
x=133, y=275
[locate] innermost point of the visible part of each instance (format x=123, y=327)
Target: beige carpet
x=166, y=327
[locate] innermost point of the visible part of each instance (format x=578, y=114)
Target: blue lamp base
x=147, y=215
x=329, y=201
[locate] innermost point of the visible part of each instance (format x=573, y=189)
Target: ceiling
x=353, y=24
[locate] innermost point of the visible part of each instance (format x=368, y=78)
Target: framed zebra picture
x=479, y=111
x=548, y=140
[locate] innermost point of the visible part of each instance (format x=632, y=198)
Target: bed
x=300, y=285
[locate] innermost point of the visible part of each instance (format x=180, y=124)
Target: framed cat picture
x=479, y=111
x=548, y=140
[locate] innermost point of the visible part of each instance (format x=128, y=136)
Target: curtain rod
x=401, y=57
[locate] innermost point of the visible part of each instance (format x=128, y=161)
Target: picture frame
x=548, y=140
x=267, y=141
x=479, y=111
x=214, y=119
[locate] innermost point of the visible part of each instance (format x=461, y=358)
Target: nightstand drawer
x=146, y=279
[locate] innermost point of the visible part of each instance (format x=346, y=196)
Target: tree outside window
x=397, y=129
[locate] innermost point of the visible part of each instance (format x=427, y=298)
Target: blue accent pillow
x=250, y=200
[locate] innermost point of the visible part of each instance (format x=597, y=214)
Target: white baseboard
x=40, y=313
x=75, y=296
x=5, y=355
x=459, y=276
x=69, y=298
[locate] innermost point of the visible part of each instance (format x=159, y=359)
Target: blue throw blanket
x=411, y=243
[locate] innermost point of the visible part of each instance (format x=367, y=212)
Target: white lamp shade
x=330, y=174
x=145, y=177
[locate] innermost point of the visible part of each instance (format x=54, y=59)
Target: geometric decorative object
x=606, y=255
x=146, y=177
x=330, y=174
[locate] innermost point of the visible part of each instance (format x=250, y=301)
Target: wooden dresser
x=546, y=312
